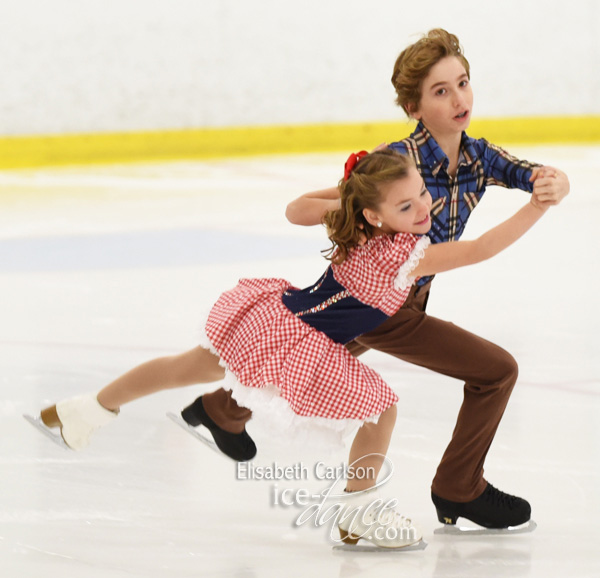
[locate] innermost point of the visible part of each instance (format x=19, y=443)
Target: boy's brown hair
x=415, y=62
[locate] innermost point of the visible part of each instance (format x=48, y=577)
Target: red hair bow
x=351, y=163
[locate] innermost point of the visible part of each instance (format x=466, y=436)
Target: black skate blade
x=372, y=549
x=196, y=432
x=451, y=530
x=37, y=423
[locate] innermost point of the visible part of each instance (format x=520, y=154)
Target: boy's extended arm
x=550, y=183
x=447, y=256
x=310, y=208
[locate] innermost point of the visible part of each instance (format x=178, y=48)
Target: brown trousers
x=488, y=372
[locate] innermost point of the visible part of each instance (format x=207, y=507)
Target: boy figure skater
x=431, y=78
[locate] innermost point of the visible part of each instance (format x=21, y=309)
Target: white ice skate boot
x=366, y=515
x=77, y=418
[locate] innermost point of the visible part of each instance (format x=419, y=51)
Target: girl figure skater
x=432, y=82
x=278, y=343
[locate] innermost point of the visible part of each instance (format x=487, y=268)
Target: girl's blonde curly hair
x=347, y=226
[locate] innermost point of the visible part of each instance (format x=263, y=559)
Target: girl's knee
x=198, y=365
x=386, y=421
x=390, y=413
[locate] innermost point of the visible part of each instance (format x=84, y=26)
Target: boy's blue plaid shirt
x=454, y=198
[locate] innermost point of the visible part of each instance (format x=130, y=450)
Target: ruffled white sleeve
x=404, y=279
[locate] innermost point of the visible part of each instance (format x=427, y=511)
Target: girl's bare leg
x=198, y=365
x=369, y=449
x=78, y=417
x=365, y=514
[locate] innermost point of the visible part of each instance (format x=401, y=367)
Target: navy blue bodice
x=328, y=306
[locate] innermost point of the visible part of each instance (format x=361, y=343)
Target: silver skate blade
x=197, y=433
x=372, y=549
x=450, y=530
x=37, y=423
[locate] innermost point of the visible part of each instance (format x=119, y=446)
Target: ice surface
x=104, y=267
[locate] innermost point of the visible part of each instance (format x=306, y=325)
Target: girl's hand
x=539, y=203
x=380, y=147
x=362, y=238
x=550, y=186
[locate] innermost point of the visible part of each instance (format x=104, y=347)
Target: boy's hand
x=550, y=186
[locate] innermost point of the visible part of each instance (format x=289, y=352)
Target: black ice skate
x=239, y=447
x=495, y=511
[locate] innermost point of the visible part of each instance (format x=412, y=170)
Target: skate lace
x=391, y=518
x=500, y=498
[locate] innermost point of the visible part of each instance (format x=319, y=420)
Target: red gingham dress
x=265, y=345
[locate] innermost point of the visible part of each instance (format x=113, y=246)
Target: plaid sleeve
x=503, y=169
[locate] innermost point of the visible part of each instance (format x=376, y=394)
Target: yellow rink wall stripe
x=35, y=151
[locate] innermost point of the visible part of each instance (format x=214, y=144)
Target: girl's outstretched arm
x=549, y=184
x=447, y=256
x=310, y=208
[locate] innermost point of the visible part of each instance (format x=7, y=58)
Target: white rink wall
x=79, y=66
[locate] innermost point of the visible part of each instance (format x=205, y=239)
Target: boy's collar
x=433, y=155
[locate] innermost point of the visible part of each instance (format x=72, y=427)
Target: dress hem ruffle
x=274, y=413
